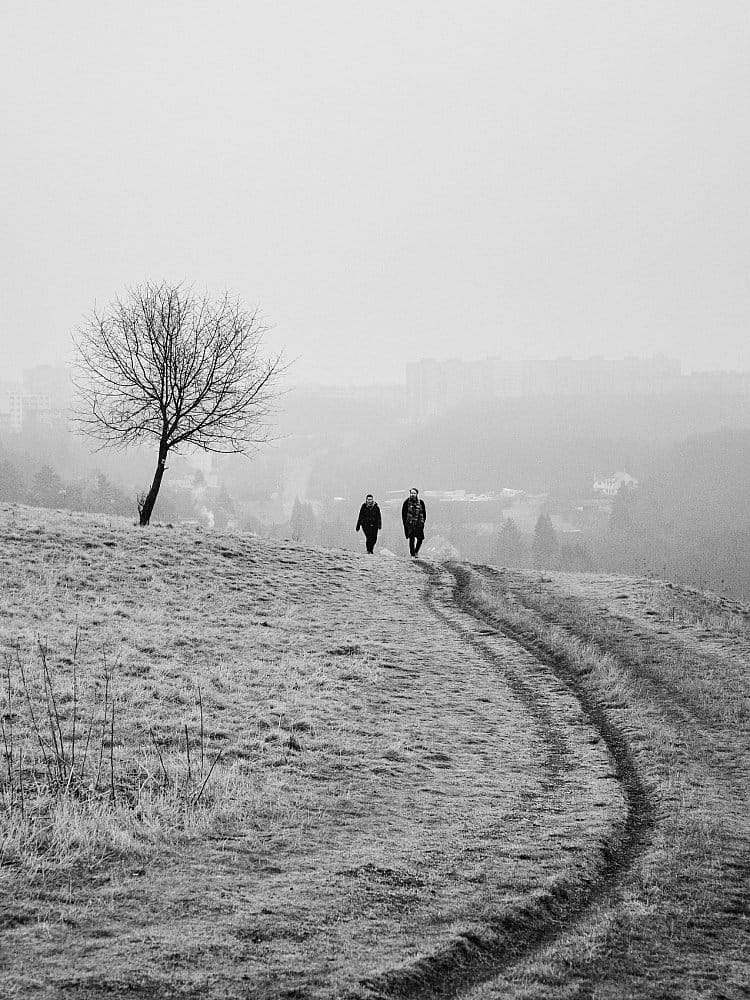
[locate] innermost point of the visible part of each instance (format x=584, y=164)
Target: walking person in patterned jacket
x=370, y=521
x=414, y=516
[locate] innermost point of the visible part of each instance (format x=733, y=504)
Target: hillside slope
x=421, y=786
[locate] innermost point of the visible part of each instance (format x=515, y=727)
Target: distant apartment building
x=435, y=386
x=36, y=408
x=19, y=409
x=11, y=406
x=718, y=383
x=44, y=395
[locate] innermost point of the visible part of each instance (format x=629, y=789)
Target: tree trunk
x=146, y=506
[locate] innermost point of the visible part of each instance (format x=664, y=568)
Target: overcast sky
x=386, y=180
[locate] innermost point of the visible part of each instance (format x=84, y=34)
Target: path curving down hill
x=662, y=673
x=435, y=779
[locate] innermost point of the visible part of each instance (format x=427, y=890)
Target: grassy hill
x=240, y=768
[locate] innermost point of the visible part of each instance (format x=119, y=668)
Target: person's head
x=369, y=499
x=414, y=493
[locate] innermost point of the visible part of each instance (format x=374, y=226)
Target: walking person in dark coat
x=414, y=515
x=370, y=521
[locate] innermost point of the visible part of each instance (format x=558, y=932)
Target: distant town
x=435, y=386
x=430, y=387
x=604, y=488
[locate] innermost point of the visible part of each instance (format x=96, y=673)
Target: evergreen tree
x=545, y=548
x=302, y=521
x=510, y=547
x=621, y=516
x=106, y=498
x=223, y=509
x=47, y=488
x=12, y=482
x=295, y=521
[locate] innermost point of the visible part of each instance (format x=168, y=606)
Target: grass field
x=238, y=768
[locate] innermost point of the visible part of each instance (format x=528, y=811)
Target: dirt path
x=563, y=711
x=675, y=922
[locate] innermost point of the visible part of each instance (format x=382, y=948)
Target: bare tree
x=166, y=365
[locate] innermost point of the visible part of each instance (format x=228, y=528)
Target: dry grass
x=99, y=763
x=391, y=778
x=371, y=765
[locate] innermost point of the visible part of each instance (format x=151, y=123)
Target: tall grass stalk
x=52, y=767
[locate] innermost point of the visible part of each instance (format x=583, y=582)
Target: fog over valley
x=653, y=482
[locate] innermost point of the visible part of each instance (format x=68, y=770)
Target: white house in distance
x=610, y=486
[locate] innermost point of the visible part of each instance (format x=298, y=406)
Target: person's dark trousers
x=371, y=538
x=415, y=542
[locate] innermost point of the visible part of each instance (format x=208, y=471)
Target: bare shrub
x=67, y=784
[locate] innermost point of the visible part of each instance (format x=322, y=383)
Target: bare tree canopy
x=166, y=364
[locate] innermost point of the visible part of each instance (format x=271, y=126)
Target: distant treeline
x=553, y=445
x=28, y=481
x=690, y=519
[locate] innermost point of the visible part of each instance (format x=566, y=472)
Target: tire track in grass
x=515, y=932
x=550, y=729
x=672, y=699
x=697, y=773
x=624, y=639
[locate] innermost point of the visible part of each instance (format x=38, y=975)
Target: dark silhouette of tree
x=168, y=366
x=47, y=488
x=622, y=513
x=545, y=548
x=510, y=548
x=302, y=521
x=223, y=509
x=12, y=482
x=106, y=497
